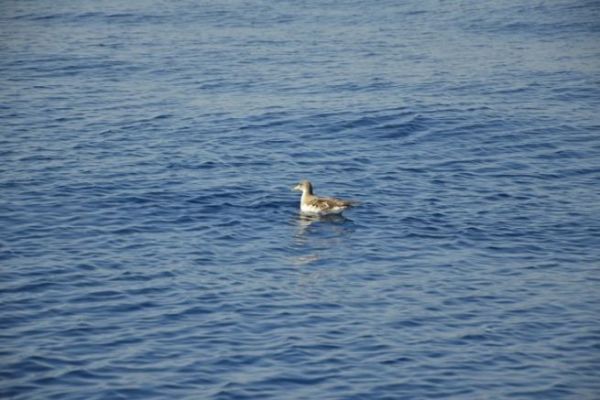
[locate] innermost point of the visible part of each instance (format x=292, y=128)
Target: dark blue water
x=151, y=248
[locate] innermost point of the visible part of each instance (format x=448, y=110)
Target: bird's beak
x=295, y=188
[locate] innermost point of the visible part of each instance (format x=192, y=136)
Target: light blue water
x=150, y=246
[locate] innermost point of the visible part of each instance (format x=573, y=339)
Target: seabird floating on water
x=313, y=205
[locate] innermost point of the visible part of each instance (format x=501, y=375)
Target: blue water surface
x=151, y=248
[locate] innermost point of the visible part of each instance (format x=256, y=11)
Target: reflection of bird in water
x=313, y=205
x=307, y=219
x=334, y=221
x=304, y=260
x=317, y=235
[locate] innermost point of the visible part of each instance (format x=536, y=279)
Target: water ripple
x=151, y=246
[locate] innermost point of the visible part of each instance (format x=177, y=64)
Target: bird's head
x=304, y=187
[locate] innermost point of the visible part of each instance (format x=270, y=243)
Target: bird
x=313, y=205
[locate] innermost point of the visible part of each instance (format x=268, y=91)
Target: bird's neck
x=305, y=196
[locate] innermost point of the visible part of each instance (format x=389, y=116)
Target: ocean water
x=151, y=247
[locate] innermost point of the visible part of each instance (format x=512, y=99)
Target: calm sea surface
x=151, y=248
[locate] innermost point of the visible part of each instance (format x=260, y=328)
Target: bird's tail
x=352, y=203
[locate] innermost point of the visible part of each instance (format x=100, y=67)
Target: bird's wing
x=328, y=203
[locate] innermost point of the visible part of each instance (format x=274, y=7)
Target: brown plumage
x=311, y=204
